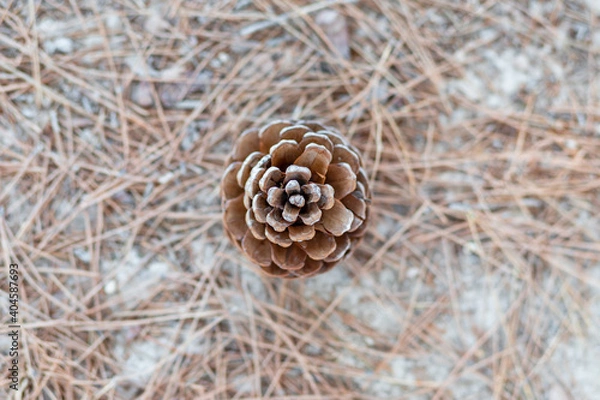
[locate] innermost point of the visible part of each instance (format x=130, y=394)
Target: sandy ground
x=479, y=123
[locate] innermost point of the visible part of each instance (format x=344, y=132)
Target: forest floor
x=479, y=125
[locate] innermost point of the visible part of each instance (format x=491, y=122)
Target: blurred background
x=479, y=123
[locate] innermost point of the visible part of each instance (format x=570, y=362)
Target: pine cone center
x=291, y=199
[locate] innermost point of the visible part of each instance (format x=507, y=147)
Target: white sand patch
x=7, y=137
x=203, y=254
x=594, y=6
x=327, y=286
x=142, y=360
x=59, y=45
x=133, y=277
x=576, y=363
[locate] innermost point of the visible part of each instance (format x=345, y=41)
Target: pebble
x=141, y=94
x=110, y=287
x=59, y=45
x=335, y=27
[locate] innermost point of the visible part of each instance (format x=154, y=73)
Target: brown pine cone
x=295, y=198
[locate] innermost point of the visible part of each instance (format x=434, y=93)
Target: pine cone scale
x=301, y=233
x=338, y=219
x=247, y=143
x=317, y=159
x=316, y=138
x=354, y=203
x=295, y=133
x=235, y=217
x=342, y=154
x=258, y=251
x=320, y=246
x=342, y=179
x=269, y=135
x=280, y=238
x=342, y=245
x=291, y=258
x=229, y=188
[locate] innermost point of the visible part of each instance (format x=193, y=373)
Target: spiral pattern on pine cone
x=295, y=198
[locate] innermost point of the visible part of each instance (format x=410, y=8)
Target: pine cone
x=296, y=198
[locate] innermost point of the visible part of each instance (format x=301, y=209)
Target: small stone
x=166, y=178
x=335, y=27
x=110, y=287
x=60, y=45
x=155, y=24
x=113, y=22
x=571, y=144
x=171, y=94
x=141, y=94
